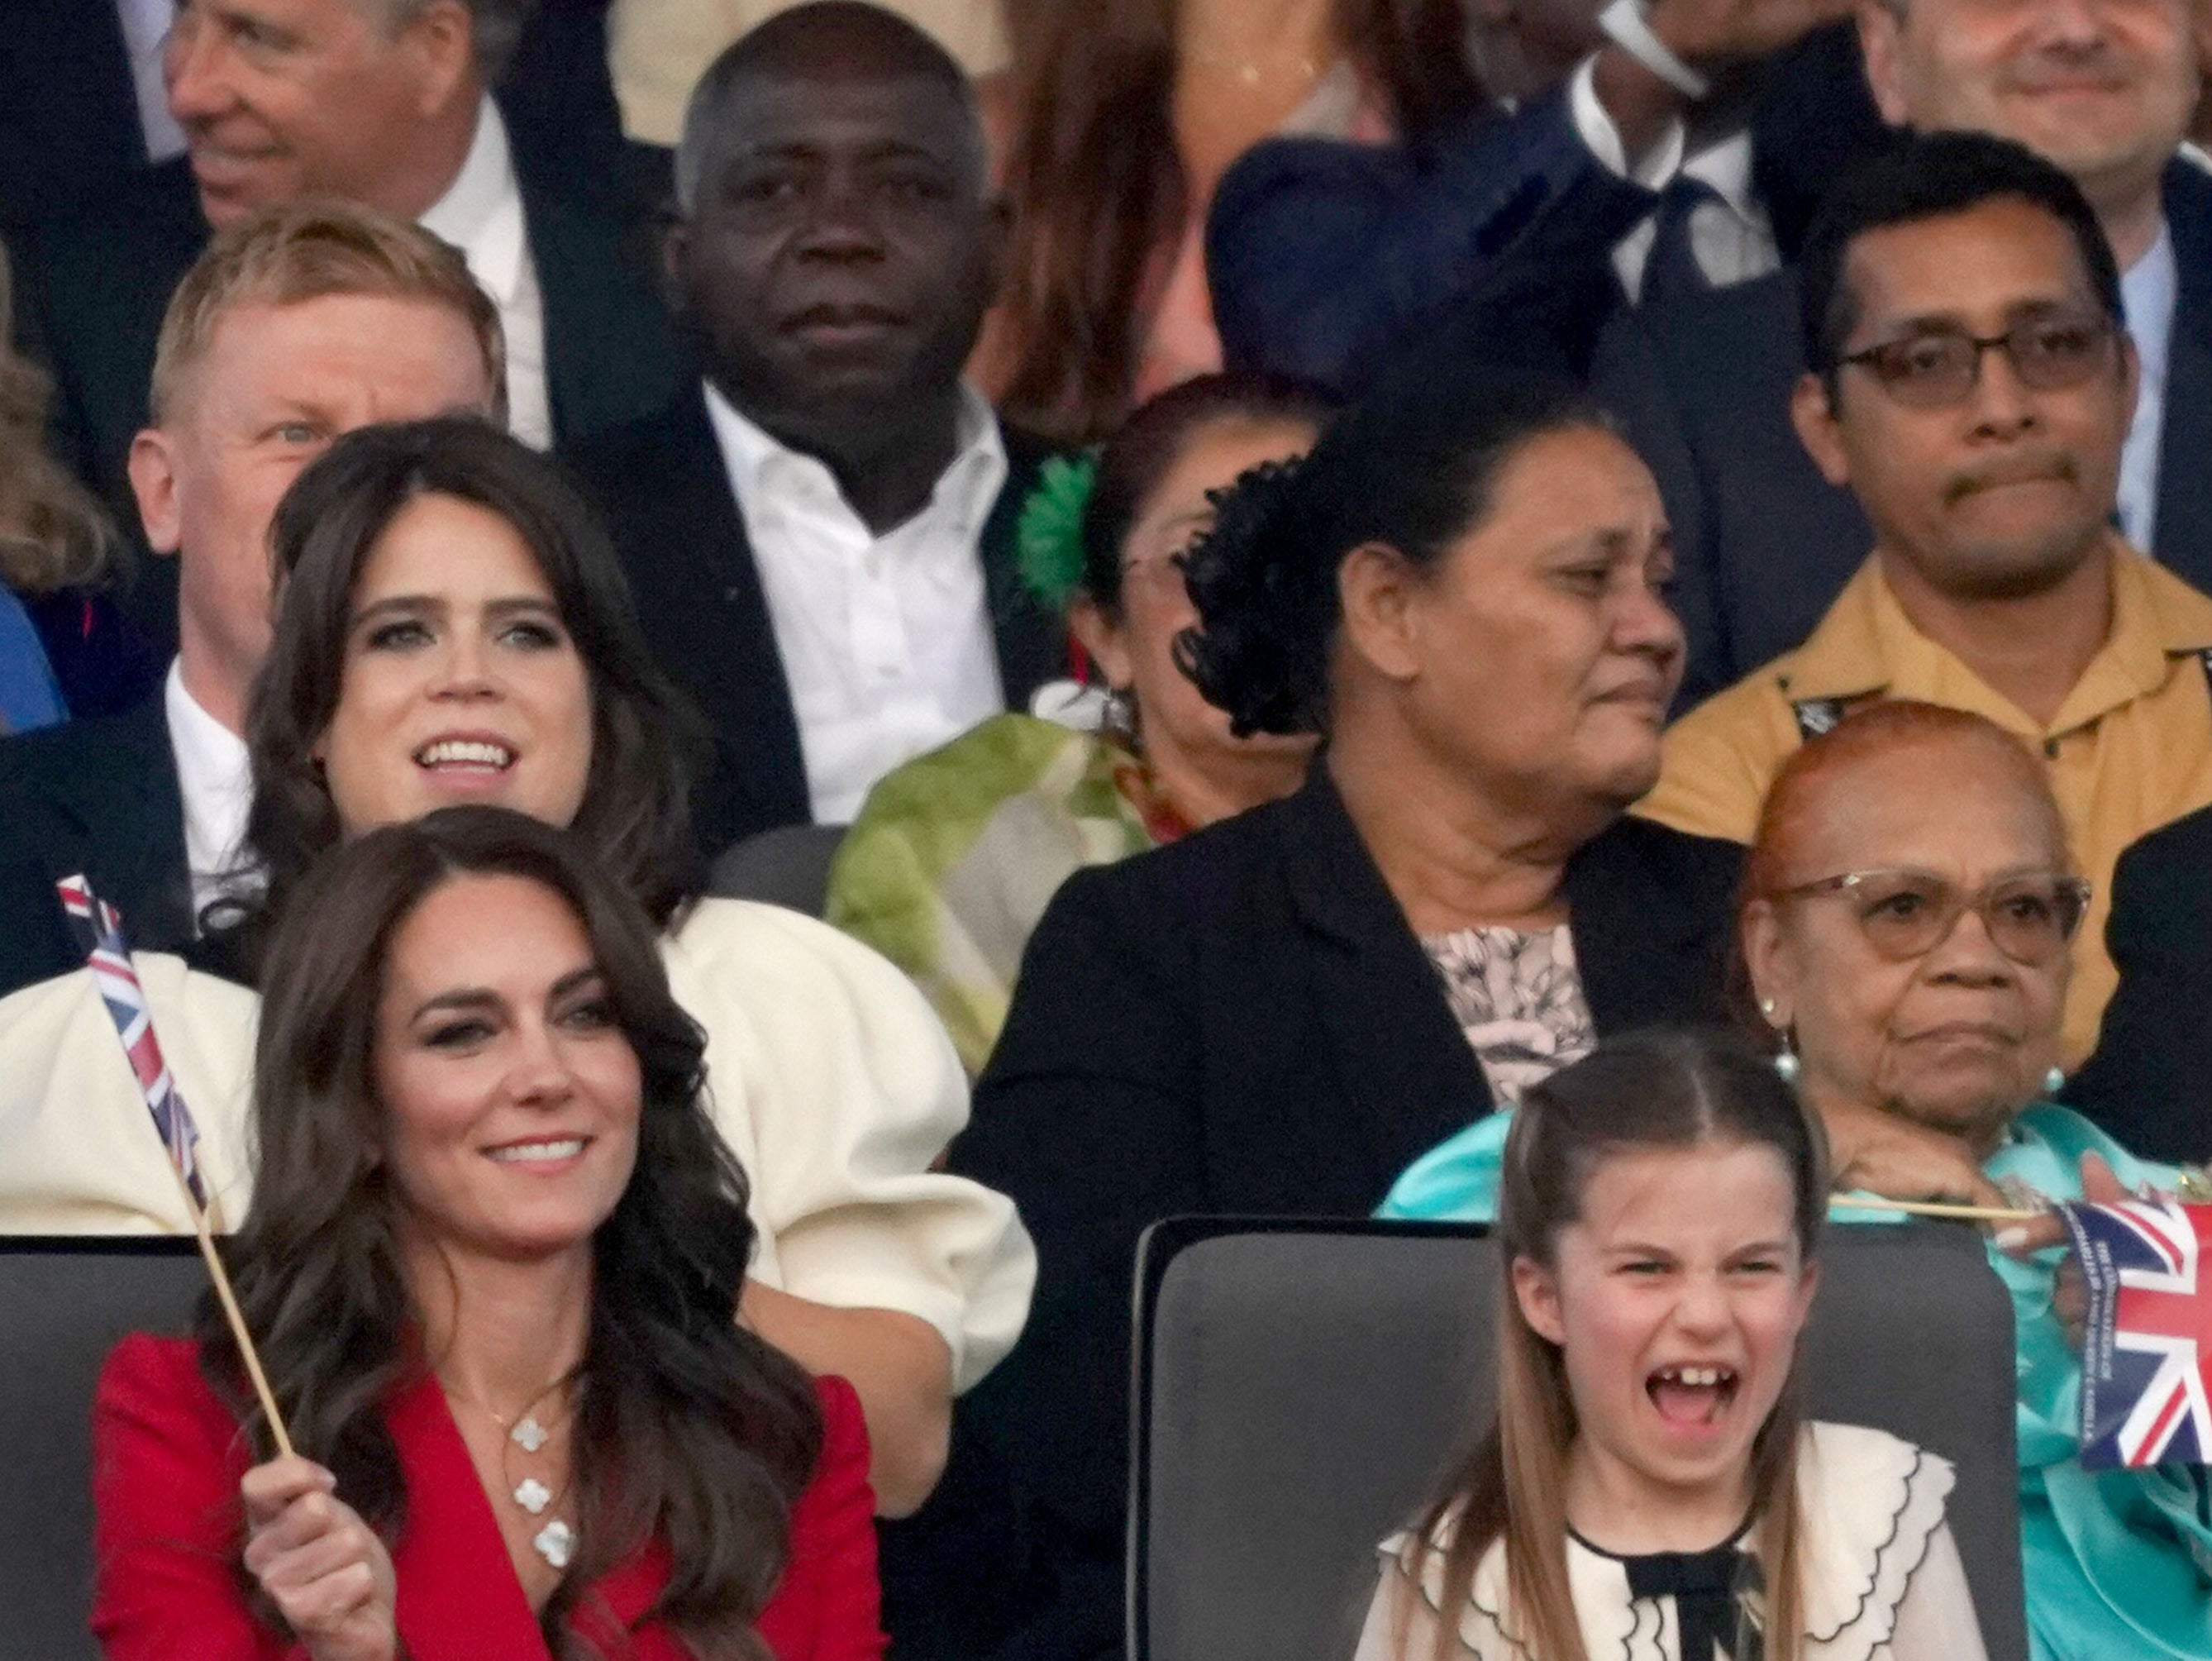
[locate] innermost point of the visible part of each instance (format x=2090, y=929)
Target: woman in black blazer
x=1463, y=590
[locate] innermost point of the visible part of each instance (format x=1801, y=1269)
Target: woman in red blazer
x=492, y=1267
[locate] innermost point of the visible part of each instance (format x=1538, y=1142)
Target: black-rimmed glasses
x=1940, y=367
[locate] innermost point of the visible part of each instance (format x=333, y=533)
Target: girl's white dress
x=1882, y=1577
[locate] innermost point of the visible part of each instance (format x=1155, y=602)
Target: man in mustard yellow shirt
x=1972, y=384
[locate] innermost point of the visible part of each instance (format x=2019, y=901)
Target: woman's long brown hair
x=688, y=1427
x=1656, y=1089
x=1100, y=193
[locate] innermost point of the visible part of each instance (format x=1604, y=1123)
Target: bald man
x=819, y=534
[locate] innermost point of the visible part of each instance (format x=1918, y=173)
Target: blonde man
x=301, y=322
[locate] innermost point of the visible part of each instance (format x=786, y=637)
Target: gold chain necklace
x=556, y=1541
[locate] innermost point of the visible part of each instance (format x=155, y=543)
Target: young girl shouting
x=1649, y=1491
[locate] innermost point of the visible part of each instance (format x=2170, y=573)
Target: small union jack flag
x=2147, y=1352
x=108, y=954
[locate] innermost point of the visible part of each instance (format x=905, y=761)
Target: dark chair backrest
x=64, y=1304
x=1299, y=1384
x=787, y=867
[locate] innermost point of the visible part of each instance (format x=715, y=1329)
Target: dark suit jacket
x=665, y=492
x=68, y=113
x=93, y=289
x=2149, y=1083
x=1325, y=258
x=1763, y=544
x=1243, y=1022
x=100, y=797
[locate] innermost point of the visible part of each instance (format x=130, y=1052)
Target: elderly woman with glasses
x=1908, y=906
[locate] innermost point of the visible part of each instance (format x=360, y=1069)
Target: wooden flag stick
x=234, y=1315
x=1980, y=1214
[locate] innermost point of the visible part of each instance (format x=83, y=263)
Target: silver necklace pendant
x=533, y=1495
x=555, y=1543
x=528, y=1434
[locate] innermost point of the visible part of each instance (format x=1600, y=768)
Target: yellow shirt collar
x=1866, y=645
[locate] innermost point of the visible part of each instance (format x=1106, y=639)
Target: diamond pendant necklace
x=556, y=1541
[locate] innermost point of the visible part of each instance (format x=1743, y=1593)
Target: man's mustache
x=2055, y=465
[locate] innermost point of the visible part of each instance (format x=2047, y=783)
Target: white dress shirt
x=1730, y=236
x=217, y=785
x=886, y=640
x=146, y=26
x=2149, y=291
x=481, y=213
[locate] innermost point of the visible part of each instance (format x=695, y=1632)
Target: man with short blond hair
x=301, y=322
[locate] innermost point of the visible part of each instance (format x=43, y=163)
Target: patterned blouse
x=1518, y=997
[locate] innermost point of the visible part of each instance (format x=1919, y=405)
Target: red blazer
x=167, y=1460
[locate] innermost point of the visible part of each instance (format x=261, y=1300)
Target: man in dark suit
x=300, y=323
x=819, y=539
x=2149, y=1083
x=1522, y=234
x=1703, y=383
x=374, y=102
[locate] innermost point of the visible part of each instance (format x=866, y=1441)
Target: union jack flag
x=2147, y=1352
x=108, y=954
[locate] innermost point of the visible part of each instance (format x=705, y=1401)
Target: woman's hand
x=1898, y=1159
x=325, y=1569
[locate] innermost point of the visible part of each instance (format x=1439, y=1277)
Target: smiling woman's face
x=511, y=1097
x=461, y=682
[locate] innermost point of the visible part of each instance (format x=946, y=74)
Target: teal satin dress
x=2118, y=1563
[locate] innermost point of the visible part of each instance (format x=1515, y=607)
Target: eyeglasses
x=1908, y=914
x=1942, y=367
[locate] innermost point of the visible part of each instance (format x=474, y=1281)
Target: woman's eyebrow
x=466, y=997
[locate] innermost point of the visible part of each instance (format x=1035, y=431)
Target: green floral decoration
x=1048, y=536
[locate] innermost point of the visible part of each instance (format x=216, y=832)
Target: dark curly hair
x=1150, y=443
x=1412, y=466
x=633, y=817
x=688, y=1426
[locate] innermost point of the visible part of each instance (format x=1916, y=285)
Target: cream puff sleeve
x=79, y=1153
x=838, y=1088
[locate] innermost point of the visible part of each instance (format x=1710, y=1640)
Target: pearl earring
x=2054, y=1080
x=1785, y=1060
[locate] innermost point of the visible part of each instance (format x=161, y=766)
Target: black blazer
x=100, y=797
x=92, y=290
x=1763, y=544
x=2149, y=1083
x=68, y=113
x=666, y=493
x=1244, y=1022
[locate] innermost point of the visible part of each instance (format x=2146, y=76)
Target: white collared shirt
x=886, y=640
x=1730, y=237
x=481, y=213
x=146, y=26
x=2149, y=291
x=216, y=783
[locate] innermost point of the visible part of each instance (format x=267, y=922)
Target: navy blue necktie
x=1672, y=270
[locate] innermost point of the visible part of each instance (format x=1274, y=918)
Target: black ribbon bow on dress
x=1709, y=1589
